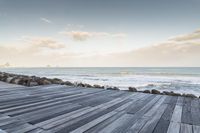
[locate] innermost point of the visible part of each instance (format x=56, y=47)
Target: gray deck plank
x=58, y=108
x=153, y=120
x=186, y=128
x=123, y=120
x=177, y=114
x=196, y=129
x=174, y=127
x=164, y=121
x=93, y=123
x=97, y=108
x=186, y=111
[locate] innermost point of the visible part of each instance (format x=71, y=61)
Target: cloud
x=174, y=52
x=83, y=35
x=77, y=35
x=30, y=57
x=188, y=37
x=178, y=51
x=43, y=42
x=46, y=20
x=41, y=51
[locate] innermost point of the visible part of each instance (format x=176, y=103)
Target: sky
x=100, y=33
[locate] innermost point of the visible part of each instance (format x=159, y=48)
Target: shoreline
x=37, y=81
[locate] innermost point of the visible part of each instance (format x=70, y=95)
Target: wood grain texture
x=63, y=109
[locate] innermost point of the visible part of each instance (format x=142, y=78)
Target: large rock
x=9, y=79
x=80, y=85
x=189, y=95
x=4, y=78
x=26, y=81
x=46, y=82
x=56, y=81
x=166, y=93
x=132, y=89
x=98, y=86
x=146, y=91
x=1, y=76
x=155, y=91
x=23, y=81
x=43, y=81
x=16, y=80
x=171, y=93
x=88, y=85
x=112, y=88
x=33, y=83
x=68, y=83
x=13, y=80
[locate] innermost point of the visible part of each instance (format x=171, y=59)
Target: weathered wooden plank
x=196, y=129
x=93, y=123
x=125, y=125
x=177, y=114
x=140, y=119
x=168, y=112
x=34, y=108
x=154, y=109
x=63, y=118
x=99, y=108
x=174, y=127
x=164, y=121
x=162, y=126
x=47, y=113
x=75, y=123
x=123, y=120
x=37, y=130
x=46, y=101
x=11, y=126
x=20, y=128
x=147, y=107
x=106, y=122
x=153, y=120
x=186, y=111
x=139, y=104
x=186, y=128
x=1, y=131
x=56, y=108
x=71, y=97
x=195, y=103
x=137, y=126
x=180, y=101
x=5, y=120
x=195, y=115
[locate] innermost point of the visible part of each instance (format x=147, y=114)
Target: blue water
x=183, y=80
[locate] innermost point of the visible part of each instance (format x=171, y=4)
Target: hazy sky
x=100, y=32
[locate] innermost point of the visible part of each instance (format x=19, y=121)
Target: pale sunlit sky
x=96, y=33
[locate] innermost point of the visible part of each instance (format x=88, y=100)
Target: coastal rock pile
x=154, y=91
x=30, y=80
x=36, y=81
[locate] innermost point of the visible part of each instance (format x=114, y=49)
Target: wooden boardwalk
x=56, y=108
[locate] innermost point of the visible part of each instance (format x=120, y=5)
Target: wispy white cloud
x=178, y=51
x=188, y=37
x=44, y=50
x=84, y=35
x=46, y=20
x=43, y=42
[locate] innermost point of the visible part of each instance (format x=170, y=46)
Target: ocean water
x=182, y=80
